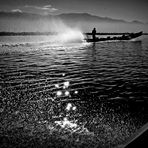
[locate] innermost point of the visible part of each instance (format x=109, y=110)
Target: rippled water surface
x=74, y=94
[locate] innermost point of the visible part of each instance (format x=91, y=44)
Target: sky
x=128, y=10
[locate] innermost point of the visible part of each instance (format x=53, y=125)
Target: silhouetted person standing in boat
x=94, y=33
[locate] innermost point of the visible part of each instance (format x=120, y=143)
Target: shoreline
x=54, y=33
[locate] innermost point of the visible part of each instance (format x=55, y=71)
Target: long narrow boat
x=127, y=36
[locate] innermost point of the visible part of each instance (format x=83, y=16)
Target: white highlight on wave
x=66, y=123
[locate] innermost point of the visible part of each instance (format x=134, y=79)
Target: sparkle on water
x=57, y=85
x=101, y=128
x=68, y=107
x=70, y=125
x=60, y=113
x=59, y=93
x=66, y=84
x=65, y=123
x=67, y=93
x=76, y=92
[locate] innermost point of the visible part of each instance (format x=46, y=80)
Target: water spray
x=66, y=34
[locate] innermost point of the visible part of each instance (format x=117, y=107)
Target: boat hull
x=119, y=38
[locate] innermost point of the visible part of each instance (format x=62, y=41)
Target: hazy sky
x=120, y=9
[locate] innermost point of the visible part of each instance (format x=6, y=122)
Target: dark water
x=90, y=95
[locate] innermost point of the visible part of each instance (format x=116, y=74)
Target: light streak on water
x=73, y=88
x=65, y=123
x=67, y=119
x=57, y=85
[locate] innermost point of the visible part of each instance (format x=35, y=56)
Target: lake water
x=72, y=94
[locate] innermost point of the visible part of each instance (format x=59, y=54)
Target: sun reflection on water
x=61, y=115
x=65, y=122
x=104, y=126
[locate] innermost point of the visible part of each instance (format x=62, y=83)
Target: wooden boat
x=124, y=36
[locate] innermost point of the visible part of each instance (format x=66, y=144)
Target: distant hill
x=83, y=17
x=87, y=17
x=27, y=22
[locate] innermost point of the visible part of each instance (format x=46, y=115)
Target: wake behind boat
x=123, y=36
